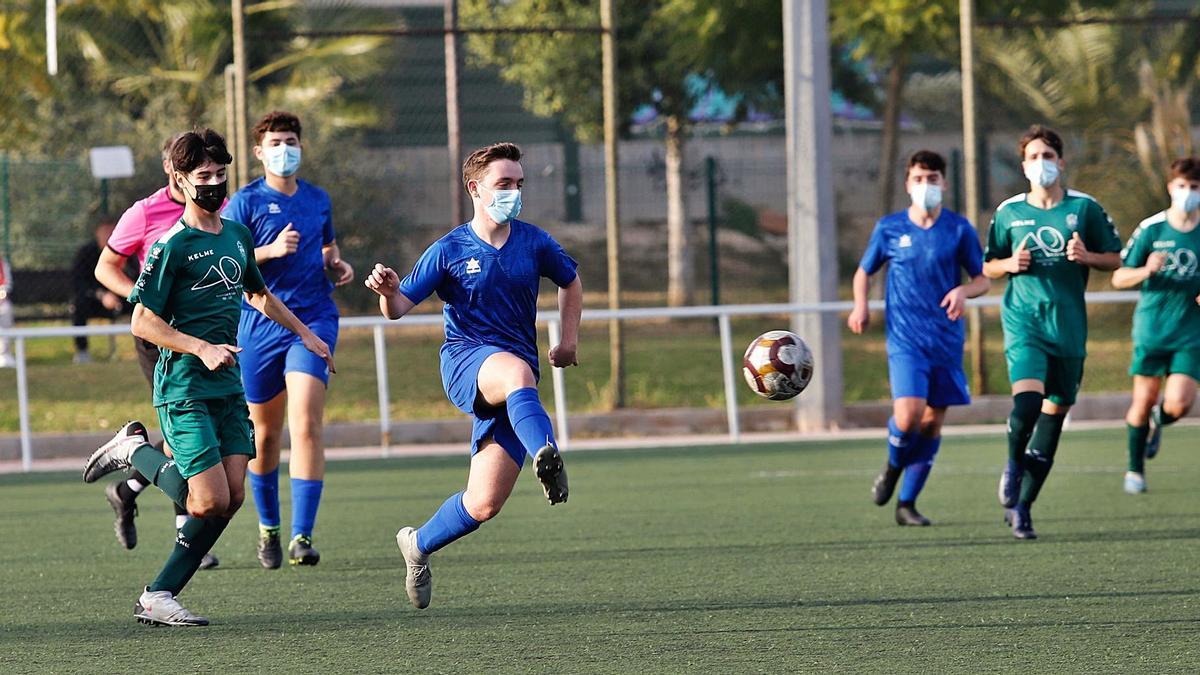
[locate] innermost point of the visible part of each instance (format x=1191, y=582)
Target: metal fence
x=722, y=313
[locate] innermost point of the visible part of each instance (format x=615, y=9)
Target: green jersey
x=1167, y=316
x=1043, y=306
x=194, y=281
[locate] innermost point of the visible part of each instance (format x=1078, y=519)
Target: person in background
x=90, y=299
x=6, y=314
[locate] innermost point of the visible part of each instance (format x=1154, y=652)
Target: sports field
x=765, y=558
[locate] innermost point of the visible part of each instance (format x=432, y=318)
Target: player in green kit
x=188, y=302
x=1162, y=258
x=1045, y=241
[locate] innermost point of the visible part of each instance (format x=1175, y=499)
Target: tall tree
x=661, y=43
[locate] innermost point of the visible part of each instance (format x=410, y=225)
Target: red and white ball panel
x=777, y=365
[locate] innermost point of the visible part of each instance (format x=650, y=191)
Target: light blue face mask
x=282, y=160
x=1042, y=172
x=506, y=205
x=1186, y=199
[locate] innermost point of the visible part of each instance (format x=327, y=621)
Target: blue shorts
x=269, y=351
x=940, y=385
x=460, y=379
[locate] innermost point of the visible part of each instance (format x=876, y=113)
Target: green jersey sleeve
x=999, y=243
x=252, y=280
x=153, y=286
x=1101, y=235
x=1137, y=250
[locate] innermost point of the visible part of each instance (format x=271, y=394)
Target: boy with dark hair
x=187, y=301
x=927, y=248
x=294, y=245
x=1044, y=242
x=138, y=228
x=1161, y=259
x=488, y=271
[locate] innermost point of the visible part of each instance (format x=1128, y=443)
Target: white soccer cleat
x=1135, y=483
x=419, y=580
x=116, y=454
x=160, y=608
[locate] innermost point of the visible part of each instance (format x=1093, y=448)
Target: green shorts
x=201, y=432
x=1160, y=362
x=1060, y=375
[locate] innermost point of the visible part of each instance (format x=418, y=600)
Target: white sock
x=135, y=486
x=180, y=520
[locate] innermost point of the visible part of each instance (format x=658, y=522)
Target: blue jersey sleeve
x=327, y=233
x=555, y=264
x=876, y=254
x=425, y=276
x=237, y=208
x=970, y=253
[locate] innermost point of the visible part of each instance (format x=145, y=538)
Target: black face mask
x=210, y=197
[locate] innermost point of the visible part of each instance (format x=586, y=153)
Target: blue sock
x=916, y=473
x=306, y=497
x=529, y=420
x=900, y=444
x=265, y=488
x=451, y=522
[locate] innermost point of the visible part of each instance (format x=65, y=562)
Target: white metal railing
x=722, y=313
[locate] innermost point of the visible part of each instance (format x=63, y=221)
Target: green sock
x=1137, y=447
x=161, y=471
x=1040, y=457
x=195, y=538
x=1162, y=417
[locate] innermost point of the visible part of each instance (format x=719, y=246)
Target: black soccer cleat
x=126, y=510
x=1154, y=438
x=907, y=514
x=116, y=454
x=548, y=465
x=1010, y=484
x=270, y=553
x=301, y=551
x=1021, y=522
x=885, y=484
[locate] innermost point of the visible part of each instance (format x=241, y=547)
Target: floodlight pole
x=616, y=347
x=966, y=28
x=453, y=127
x=239, y=140
x=812, y=231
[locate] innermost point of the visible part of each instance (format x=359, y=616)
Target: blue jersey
x=490, y=294
x=298, y=280
x=924, y=266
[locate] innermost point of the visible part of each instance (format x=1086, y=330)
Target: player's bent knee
x=1177, y=407
x=208, y=507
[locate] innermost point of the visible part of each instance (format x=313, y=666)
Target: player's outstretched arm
x=266, y=302
x=110, y=271
x=392, y=303
x=1128, y=277
x=149, y=326
x=860, y=316
x=570, y=308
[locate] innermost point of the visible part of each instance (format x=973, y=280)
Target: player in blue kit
x=488, y=271
x=927, y=248
x=295, y=246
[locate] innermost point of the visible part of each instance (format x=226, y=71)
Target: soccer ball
x=777, y=365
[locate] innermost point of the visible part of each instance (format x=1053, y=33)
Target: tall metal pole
x=231, y=111
x=5, y=207
x=812, y=230
x=966, y=28
x=242, y=172
x=453, y=130
x=608, y=49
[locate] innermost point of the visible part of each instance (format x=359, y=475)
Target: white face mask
x=1041, y=172
x=926, y=196
x=1185, y=199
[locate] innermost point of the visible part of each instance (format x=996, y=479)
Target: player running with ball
x=188, y=302
x=927, y=248
x=1161, y=258
x=1045, y=242
x=487, y=271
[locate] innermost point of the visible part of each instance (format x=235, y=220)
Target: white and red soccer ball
x=777, y=365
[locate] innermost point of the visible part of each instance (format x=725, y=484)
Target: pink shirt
x=143, y=223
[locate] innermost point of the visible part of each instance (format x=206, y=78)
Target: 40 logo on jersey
x=1047, y=240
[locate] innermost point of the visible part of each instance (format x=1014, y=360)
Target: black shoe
x=270, y=553
x=885, y=484
x=1010, y=484
x=301, y=551
x=1154, y=438
x=907, y=514
x=548, y=466
x=125, y=509
x=1021, y=522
